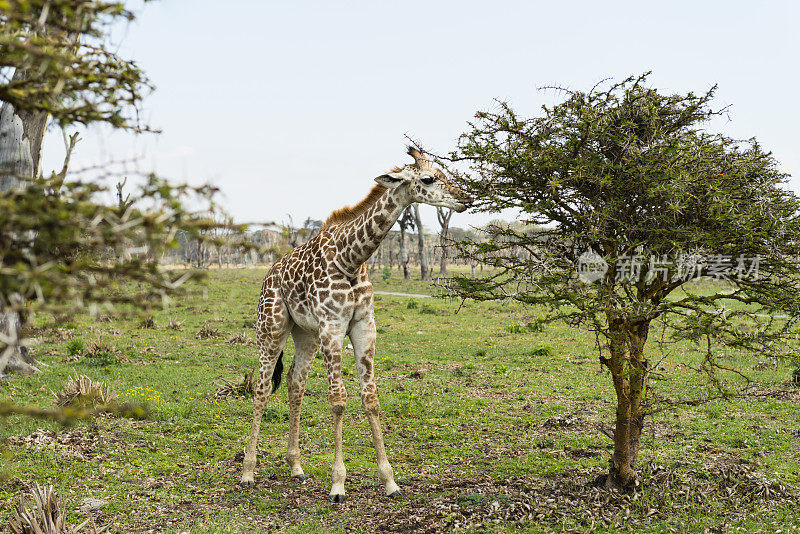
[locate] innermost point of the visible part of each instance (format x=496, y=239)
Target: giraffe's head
x=425, y=183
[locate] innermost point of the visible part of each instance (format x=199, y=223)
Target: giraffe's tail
x=277, y=373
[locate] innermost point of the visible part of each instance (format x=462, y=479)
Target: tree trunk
x=372, y=263
x=423, y=256
x=443, y=216
x=627, y=368
x=402, y=258
x=638, y=379
x=406, y=222
x=21, y=135
x=444, y=221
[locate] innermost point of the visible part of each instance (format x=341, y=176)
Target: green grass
x=470, y=401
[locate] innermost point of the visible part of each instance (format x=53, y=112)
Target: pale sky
x=292, y=108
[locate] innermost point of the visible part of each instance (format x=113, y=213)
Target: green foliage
x=79, y=76
x=100, y=355
x=62, y=246
x=529, y=327
x=62, y=249
x=427, y=309
x=75, y=346
x=542, y=351
x=623, y=171
x=535, y=326
x=516, y=328
x=386, y=273
x=274, y=413
x=72, y=415
x=412, y=305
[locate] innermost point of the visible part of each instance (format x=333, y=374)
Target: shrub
x=412, y=305
x=428, y=310
x=99, y=354
x=535, y=326
x=516, y=328
x=75, y=346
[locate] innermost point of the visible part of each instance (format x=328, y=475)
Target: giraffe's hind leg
x=306, y=345
x=272, y=329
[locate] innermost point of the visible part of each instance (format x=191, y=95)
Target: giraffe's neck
x=358, y=239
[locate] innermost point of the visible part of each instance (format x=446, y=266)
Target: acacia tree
x=58, y=239
x=630, y=199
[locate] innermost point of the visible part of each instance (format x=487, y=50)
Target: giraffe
x=320, y=293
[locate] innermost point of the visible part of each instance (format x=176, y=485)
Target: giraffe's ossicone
x=319, y=293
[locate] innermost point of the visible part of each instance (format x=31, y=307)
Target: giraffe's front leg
x=362, y=334
x=331, y=346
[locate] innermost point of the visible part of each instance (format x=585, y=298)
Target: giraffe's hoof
x=299, y=478
x=337, y=499
x=396, y=495
x=247, y=483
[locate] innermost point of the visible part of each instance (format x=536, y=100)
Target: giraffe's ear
x=390, y=179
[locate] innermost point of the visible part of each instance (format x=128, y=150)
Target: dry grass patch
x=207, y=332
x=240, y=388
x=83, y=391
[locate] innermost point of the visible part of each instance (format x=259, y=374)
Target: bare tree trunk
x=403, y=254
x=443, y=215
x=21, y=135
x=373, y=262
x=423, y=256
x=405, y=222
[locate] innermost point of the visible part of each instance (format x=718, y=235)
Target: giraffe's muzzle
x=465, y=202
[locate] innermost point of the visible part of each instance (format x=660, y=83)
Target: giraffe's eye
x=428, y=180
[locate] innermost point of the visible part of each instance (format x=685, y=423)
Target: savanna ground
x=490, y=425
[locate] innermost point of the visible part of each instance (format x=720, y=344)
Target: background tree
x=631, y=199
x=425, y=273
x=443, y=215
x=405, y=222
x=57, y=237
